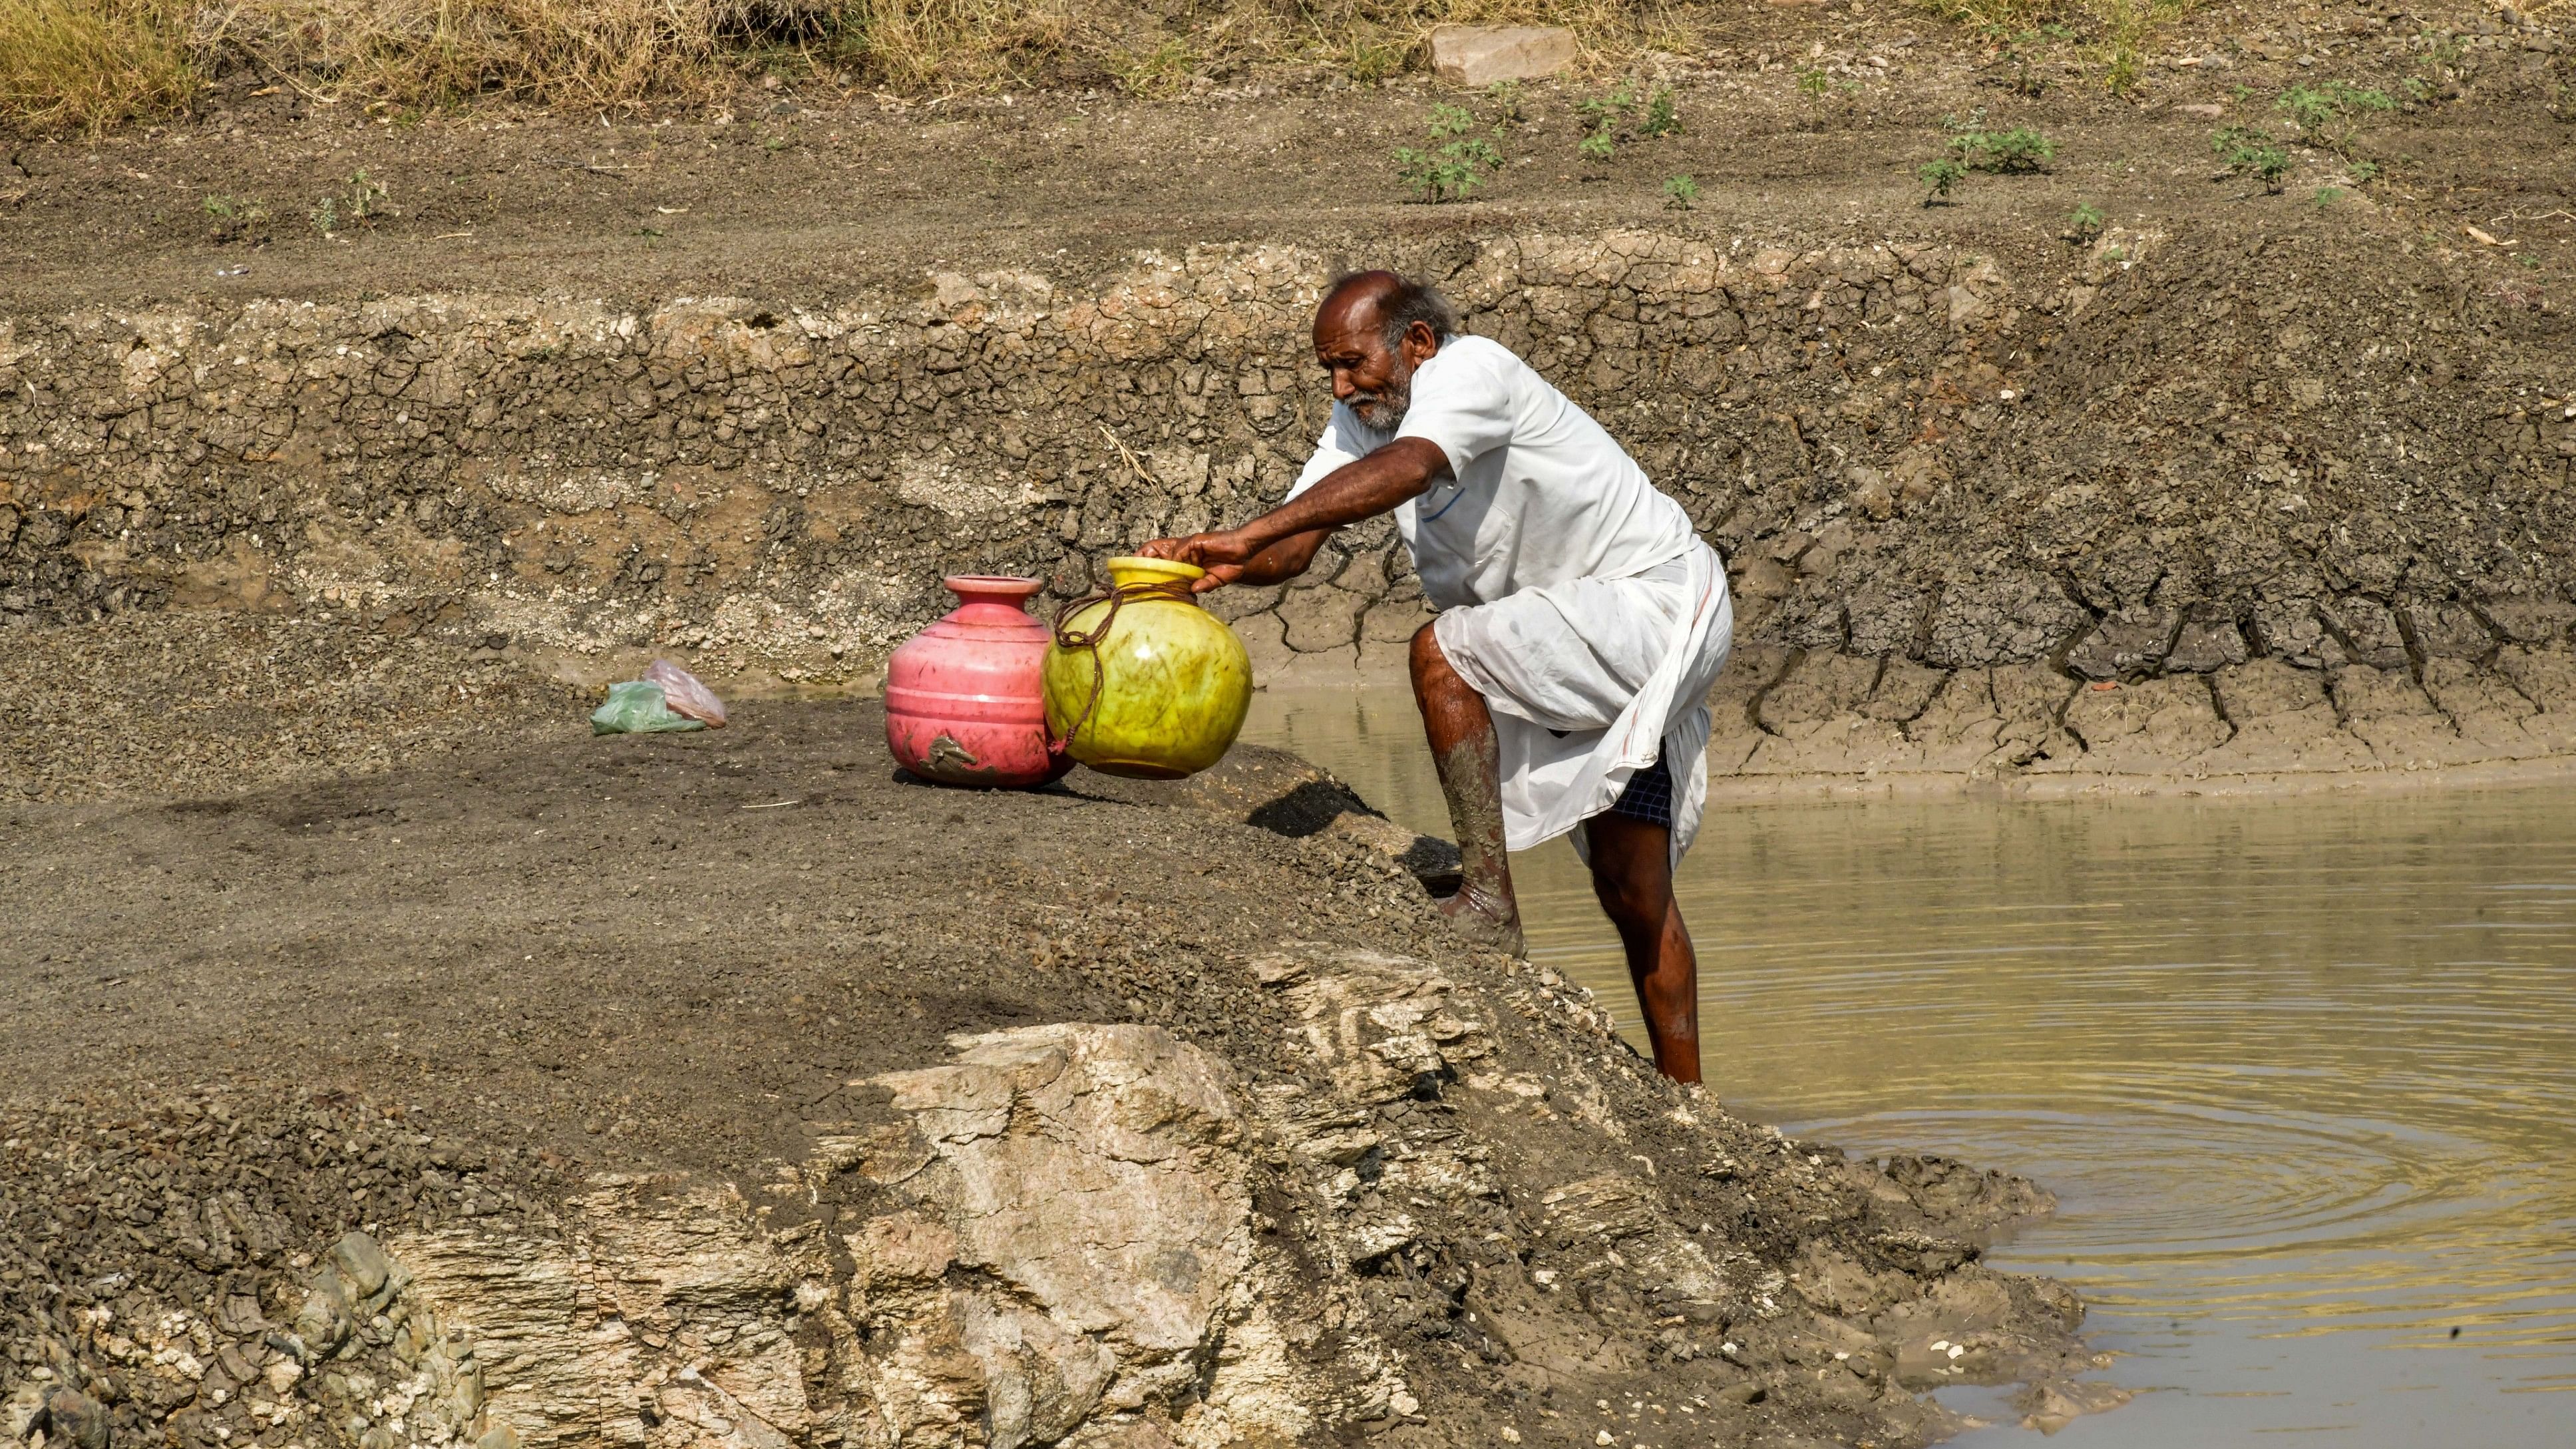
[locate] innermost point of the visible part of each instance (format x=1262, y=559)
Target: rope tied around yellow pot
x=1089, y=640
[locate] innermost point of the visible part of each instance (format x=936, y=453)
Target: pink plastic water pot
x=963, y=702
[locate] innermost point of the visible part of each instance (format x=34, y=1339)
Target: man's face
x=1375, y=381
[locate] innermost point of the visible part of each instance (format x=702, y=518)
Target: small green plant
x=236, y=219
x=2020, y=52
x=2326, y=196
x=1940, y=177
x=2251, y=151
x=1454, y=163
x=2363, y=172
x=2084, y=223
x=1604, y=117
x=1812, y=83
x=2329, y=115
x=1663, y=117
x=1680, y=192
x=2012, y=152
x=1507, y=99
x=361, y=205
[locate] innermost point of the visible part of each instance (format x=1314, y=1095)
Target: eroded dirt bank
x=722, y=1089
x=740, y=386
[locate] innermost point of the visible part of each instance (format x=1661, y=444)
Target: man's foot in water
x=1485, y=919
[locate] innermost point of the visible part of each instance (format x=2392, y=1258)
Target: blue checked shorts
x=1649, y=796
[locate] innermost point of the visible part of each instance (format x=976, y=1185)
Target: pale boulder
x=1479, y=55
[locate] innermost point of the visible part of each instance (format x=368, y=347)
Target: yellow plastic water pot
x=1172, y=681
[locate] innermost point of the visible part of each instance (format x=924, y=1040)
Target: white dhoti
x=1593, y=680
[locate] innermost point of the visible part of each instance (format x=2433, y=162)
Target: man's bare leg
x=1632, y=877
x=1461, y=731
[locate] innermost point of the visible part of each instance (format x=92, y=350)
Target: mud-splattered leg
x=1632, y=877
x=1461, y=732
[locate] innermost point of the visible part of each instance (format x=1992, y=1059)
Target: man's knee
x=1630, y=894
x=1426, y=650
x=1629, y=874
x=1430, y=666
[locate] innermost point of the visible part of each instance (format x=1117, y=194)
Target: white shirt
x=1540, y=494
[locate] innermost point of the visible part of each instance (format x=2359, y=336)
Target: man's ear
x=1419, y=342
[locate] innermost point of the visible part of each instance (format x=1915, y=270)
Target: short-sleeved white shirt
x=1539, y=494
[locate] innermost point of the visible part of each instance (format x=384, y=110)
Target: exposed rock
x=1477, y=56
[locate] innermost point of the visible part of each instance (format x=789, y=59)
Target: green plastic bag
x=637, y=707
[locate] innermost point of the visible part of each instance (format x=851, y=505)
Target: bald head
x=1371, y=331
x=1388, y=304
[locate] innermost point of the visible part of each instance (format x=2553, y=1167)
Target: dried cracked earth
x=726, y=1089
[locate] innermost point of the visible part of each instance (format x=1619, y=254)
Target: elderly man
x=1580, y=621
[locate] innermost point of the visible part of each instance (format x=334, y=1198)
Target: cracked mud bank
x=722, y=1090
x=2175, y=503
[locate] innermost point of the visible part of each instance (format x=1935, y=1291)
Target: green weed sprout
x=2017, y=151
x=1811, y=82
x=2327, y=196
x=1603, y=117
x=1680, y=192
x=2251, y=151
x=2329, y=115
x=1940, y=176
x=1663, y=117
x=2084, y=223
x=1454, y=164
x=1506, y=96
x=360, y=205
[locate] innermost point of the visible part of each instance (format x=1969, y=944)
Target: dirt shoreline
x=355, y=1066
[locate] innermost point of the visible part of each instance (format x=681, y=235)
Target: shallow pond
x=2301, y=1071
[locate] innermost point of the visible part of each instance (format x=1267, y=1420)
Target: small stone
x=362, y=1263
x=1603, y=1437
x=1477, y=56
x=77, y=1419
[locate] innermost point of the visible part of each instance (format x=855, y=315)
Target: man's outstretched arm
x=1279, y=544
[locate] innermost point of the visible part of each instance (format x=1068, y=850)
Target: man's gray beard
x=1385, y=412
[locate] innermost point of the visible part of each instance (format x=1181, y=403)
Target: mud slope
x=721, y=1089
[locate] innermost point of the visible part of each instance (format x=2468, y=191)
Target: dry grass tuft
x=92, y=63
x=936, y=45
x=88, y=64
x=576, y=52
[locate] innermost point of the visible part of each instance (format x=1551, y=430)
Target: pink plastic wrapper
x=685, y=695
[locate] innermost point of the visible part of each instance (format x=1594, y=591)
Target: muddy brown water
x=2302, y=1071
